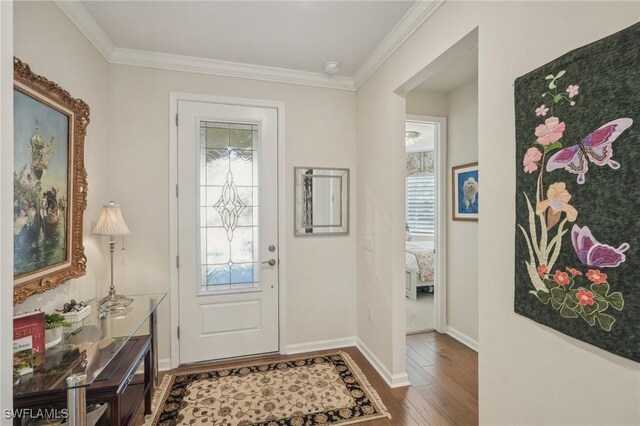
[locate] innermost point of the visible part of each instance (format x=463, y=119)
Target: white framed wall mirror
x=321, y=201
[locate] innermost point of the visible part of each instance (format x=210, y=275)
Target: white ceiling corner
x=410, y=22
x=406, y=26
x=81, y=18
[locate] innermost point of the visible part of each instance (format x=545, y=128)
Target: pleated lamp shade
x=111, y=221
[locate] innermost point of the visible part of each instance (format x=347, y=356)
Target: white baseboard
x=392, y=380
x=463, y=338
x=321, y=345
x=163, y=365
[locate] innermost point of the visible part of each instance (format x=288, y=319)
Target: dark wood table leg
x=115, y=410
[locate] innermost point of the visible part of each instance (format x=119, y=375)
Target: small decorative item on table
x=53, y=326
x=28, y=342
x=75, y=312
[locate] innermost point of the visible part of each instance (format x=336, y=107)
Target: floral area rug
x=328, y=389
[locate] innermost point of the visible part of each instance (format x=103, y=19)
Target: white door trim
x=440, y=275
x=174, y=97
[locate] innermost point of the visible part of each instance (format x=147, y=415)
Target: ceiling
x=461, y=70
x=296, y=35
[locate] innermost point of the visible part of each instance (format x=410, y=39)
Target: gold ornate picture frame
x=50, y=184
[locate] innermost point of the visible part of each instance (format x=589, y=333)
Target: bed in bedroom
x=420, y=261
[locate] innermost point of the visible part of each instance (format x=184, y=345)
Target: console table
x=98, y=356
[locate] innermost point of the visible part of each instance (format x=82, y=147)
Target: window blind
x=421, y=205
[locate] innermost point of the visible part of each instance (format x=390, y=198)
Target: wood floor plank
x=448, y=406
x=453, y=393
x=417, y=355
x=417, y=375
x=449, y=360
x=442, y=371
x=466, y=393
x=452, y=349
x=429, y=414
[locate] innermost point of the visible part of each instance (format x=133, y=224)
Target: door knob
x=270, y=262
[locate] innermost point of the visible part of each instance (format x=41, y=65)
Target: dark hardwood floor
x=444, y=381
x=443, y=375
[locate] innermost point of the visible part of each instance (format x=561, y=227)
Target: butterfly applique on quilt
x=580, y=290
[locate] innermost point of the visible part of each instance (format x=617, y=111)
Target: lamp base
x=114, y=302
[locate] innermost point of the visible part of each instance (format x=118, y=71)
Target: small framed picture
x=465, y=192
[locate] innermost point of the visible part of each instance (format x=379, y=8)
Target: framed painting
x=465, y=192
x=577, y=260
x=50, y=184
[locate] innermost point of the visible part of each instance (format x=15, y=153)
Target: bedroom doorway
x=424, y=142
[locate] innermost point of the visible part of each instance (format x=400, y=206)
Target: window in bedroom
x=421, y=196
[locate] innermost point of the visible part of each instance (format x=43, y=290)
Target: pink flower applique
x=562, y=278
x=572, y=90
x=573, y=271
x=596, y=276
x=541, y=111
x=531, y=157
x=584, y=297
x=551, y=131
x=542, y=270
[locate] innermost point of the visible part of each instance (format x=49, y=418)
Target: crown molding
x=410, y=22
x=171, y=62
x=82, y=19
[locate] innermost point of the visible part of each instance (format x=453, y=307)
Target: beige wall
x=381, y=172
x=6, y=203
x=127, y=160
x=46, y=40
x=319, y=131
x=462, y=236
x=424, y=102
x=527, y=372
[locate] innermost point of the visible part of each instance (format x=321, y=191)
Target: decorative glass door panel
x=228, y=185
x=227, y=169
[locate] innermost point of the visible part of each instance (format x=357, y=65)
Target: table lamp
x=112, y=224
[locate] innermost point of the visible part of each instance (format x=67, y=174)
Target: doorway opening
x=424, y=142
x=442, y=102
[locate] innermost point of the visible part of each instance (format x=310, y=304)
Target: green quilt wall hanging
x=577, y=264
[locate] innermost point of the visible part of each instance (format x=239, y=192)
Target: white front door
x=227, y=230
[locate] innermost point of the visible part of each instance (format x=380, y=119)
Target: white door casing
x=227, y=308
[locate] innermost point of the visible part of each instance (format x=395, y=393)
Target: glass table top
x=89, y=345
